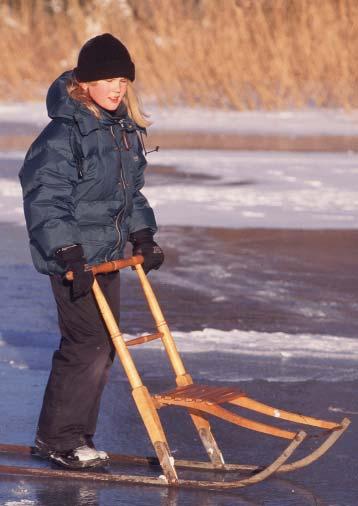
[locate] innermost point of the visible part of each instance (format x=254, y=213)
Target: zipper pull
x=79, y=166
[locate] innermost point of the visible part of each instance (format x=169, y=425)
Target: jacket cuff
x=141, y=236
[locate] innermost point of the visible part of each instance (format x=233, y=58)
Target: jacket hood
x=60, y=105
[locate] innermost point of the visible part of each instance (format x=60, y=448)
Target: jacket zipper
x=124, y=184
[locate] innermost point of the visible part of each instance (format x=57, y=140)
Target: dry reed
x=240, y=54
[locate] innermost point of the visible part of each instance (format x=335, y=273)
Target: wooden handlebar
x=114, y=265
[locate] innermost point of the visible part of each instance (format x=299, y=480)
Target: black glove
x=143, y=244
x=72, y=259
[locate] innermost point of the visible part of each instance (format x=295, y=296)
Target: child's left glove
x=72, y=258
x=143, y=244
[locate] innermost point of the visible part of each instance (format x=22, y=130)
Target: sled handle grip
x=114, y=265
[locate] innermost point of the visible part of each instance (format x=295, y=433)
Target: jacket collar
x=87, y=122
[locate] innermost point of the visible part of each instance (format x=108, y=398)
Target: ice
x=273, y=356
x=281, y=190
x=304, y=122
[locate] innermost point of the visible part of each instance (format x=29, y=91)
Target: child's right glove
x=72, y=259
x=143, y=244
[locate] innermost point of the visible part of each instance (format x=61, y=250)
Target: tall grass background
x=238, y=54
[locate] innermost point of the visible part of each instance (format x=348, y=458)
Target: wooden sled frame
x=200, y=402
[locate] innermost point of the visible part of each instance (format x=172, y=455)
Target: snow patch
x=22, y=502
x=265, y=344
x=11, y=209
x=315, y=184
x=9, y=188
x=18, y=365
x=253, y=214
x=24, y=112
x=342, y=410
x=12, y=155
x=270, y=356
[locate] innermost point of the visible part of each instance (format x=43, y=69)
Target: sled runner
x=200, y=401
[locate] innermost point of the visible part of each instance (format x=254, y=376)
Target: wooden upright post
x=182, y=377
x=142, y=398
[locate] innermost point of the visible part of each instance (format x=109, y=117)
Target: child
x=81, y=183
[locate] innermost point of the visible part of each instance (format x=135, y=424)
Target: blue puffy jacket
x=81, y=182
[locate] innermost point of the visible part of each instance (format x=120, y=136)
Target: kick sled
x=201, y=402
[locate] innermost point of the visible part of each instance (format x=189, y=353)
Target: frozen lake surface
x=260, y=287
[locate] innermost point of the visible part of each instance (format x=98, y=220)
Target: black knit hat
x=104, y=57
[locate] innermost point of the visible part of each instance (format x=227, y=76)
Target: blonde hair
x=131, y=100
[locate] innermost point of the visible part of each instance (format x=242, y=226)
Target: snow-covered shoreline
x=330, y=122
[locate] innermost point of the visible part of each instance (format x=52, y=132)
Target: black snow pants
x=80, y=367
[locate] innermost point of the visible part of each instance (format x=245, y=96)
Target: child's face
x=108, y=93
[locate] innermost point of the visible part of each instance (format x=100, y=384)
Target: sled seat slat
x=208, y=399
x=200, y=393
x=144, y=339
